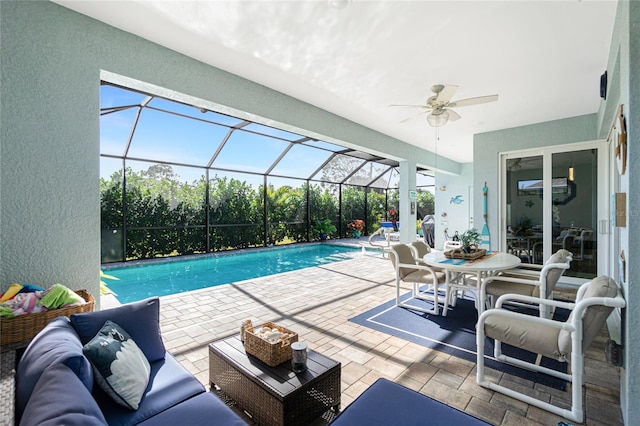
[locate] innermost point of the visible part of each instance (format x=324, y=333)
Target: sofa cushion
x=388, y=403
x=60, y=398
x=169, y=384
x=120, y=367
x=202, y=409
x=56, y=343
x=141, y=320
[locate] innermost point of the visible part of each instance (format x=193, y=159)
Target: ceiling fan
x=438, y=107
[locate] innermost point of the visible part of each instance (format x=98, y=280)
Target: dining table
x=459, y=271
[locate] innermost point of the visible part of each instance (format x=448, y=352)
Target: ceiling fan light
x=339, y=4
x=438, y=119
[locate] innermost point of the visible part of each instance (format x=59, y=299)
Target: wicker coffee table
x=275, y=395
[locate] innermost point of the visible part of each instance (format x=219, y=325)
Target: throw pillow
x=142, y=320
x=120, y=367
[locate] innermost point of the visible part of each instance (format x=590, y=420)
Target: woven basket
x=271, y=354
x=460, y=254
x=24, y=327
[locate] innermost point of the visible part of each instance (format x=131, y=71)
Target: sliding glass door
x=557, y=198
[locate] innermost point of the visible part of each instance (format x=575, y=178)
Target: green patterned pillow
x=120, y=367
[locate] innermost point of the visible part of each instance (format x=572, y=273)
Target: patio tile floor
x=317, y=303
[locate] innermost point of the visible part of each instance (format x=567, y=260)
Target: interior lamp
x=571, y=173
x=438, y=118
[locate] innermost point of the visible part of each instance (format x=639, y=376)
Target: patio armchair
x=532, y=284
x=534, y=269
x=565, y=240
x=419, y=250
x=458, y=282
x=565, y=341
x=585, y=238
x=425, y=280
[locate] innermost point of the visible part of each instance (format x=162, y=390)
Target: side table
x=7, y=385
x=275, y=395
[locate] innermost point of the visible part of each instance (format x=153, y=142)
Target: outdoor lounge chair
x=407, y=270
x=533, y=284
x=565, y=341
x=374, y=240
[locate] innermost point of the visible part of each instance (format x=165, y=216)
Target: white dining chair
x=565, y=341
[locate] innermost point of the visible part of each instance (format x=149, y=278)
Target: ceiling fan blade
x=446, y=94
x=413, y=116
x=474, y=101
x=411, y=106
x=453, y=116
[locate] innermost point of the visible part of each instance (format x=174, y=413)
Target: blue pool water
x=144, y=280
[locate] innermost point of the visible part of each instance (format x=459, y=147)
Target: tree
x=426, y=203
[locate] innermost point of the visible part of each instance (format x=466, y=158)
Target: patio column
x=407, y=215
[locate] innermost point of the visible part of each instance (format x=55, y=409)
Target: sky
x=191, y=136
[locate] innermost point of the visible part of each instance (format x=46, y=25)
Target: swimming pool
x=162, y=278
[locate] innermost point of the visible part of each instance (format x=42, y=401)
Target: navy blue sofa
x=55, y=381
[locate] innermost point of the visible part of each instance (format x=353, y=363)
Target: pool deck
x=318, y=302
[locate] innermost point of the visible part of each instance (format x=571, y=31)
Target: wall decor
x=618, y=136
x=619, y=209
x=456, y=200
x=622, y=267
x=486, y=237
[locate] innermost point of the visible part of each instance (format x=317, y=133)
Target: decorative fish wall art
x=456, y=200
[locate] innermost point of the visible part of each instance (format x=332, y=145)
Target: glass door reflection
x=524, y=208
x=575, y=209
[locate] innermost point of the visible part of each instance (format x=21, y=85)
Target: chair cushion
x=404, y=255
x=120, y=367
x=522, y=333
x=593, y=317
x=421, y=248
x=499, y=287
x=421, y=276
x=60, y=398
x=553, y=276
x=141, y=319
x=561, y=256
x=57, y=343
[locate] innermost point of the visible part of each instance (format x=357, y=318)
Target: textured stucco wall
x=457, y=215
x=52, y=60
x=49, y=217
x=630, y=96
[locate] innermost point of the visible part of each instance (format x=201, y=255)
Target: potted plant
x=103, y=285
x=357, y=226
x=523, y=226
x=470, y=240
x=393, y=217
x=324, y=228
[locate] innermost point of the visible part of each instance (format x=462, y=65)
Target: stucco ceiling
x=543, y=58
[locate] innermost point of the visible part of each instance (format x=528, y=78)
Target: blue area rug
x=455, y=335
